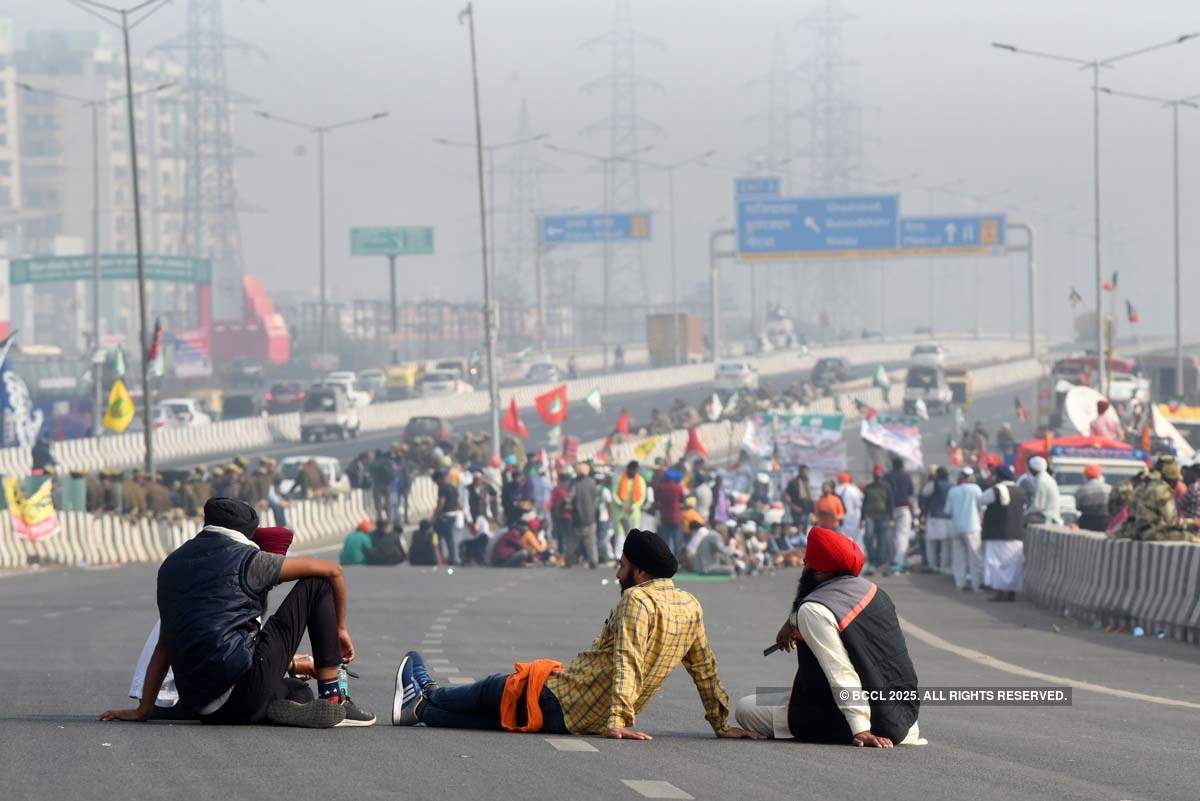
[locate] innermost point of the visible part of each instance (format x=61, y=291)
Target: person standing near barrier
x=446, y=514
x=1091, y=499
x=1044, y=507
x=904, y=499
x=878, y=508
x=382, y=474
x=668, y=496
x=962, y=507
x=939, y=533
x=1003, y=536
x=582, y=498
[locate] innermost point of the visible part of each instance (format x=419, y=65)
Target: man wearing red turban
x=849, y=642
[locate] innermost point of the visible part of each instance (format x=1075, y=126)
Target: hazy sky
x=944, y=104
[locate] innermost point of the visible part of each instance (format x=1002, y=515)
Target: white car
x=347, y=380
x=436, y=384
x=735, y=376
x=372, y=381
x=928, y=354
x=543, y=373
x=179, y=413
x=289, y=468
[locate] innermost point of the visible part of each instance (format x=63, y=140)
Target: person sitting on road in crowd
x=847, y=639
x=357, y=544
x=212, y=590
x=424, y=549
x=521, y=545
x=654, y=628
x=1091, y=499
x=387, y=544
x=691, y=514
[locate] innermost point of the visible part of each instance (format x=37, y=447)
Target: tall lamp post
x=489, y=305
x=1174, y=105
x=1094, y=66
x=94, y=106
x=320, y=131
x=129, y=18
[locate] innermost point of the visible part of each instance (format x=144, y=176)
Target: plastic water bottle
x=1138, y=631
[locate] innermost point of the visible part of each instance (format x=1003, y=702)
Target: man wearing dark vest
x=1003, y=536
x=855, y=683
x=212, y=592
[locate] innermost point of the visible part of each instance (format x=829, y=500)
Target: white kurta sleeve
x=820, y=631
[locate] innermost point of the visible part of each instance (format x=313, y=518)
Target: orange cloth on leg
x=528, y=680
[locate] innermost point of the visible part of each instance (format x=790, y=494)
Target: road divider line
x=438, y=661
x=650, y=788
x=459, y=680
x=934, y=641
x=18, y=621
x=443, y=620
x=437, y=627
x=571, y=744
x=445, y=669
x=434, y=651
x=451, y=611
x=52, y=614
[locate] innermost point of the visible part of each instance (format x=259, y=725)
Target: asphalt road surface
x=69, y=639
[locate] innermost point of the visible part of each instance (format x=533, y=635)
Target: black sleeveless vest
x=871, y=633
x=209, y=618
x=1005, y=522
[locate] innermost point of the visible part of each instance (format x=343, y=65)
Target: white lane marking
x=438, y=661
x=431, y=642
x=472, y=598
x=655, y=789
x=434, y=651
x=461, y=606
x=931, y=639
x=451, y=611
x=443, y=620
x=444, y=669
x=84, y=609
x=52, y=614
x=19, y=621
x=459, y=680
x=437, y=628
x=570, y=744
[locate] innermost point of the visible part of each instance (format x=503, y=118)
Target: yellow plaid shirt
x=655, y=627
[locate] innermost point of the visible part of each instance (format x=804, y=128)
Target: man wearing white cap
x=962, y=506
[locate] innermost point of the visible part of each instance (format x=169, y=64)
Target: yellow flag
x=33, y=518
x=119, y=413
x=644, y=450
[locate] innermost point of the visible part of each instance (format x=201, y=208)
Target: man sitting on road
x=212, y=590
x=654, y=628
x=849, y=642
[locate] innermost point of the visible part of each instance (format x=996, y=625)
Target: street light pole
x=1174, y=105
x=488, y=301
x=320, y=131
x=1094, y=65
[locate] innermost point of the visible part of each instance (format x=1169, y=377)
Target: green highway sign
x=113, y=267
x=411, y=241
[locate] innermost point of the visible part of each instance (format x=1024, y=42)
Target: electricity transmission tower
x=210, y=201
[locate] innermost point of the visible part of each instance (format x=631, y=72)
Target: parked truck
x=663, y=331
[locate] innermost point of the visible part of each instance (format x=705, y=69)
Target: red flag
x=1132, y=313
x=512, y=421
x=623, y=422
x=570, y=449
x=1022, y=412
x=1111, y=283
x=695, y=444
x=552, y=406
x=156, y=342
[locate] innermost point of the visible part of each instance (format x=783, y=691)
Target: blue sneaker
x=408, y=698
x=420, y=673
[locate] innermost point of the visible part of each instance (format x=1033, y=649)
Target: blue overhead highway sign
x=756, y=187
x=847, y=227
x=953, y=235
x=583, y=229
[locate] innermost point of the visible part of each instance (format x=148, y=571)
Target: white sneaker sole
x=348, y=723
x=398, y=695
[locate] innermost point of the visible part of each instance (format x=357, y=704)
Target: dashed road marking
x=52, y=614
x=84, y=609
x=571, y=744
x=444, y=669
x=431, y=642
x=18, y=621
x=451, y=611
x=472, y=598
x=434, y=651
x=437, y=627
x=443, y=620
x=461, y=605
x=438, y=661
x=459, y=680
x=655, y=789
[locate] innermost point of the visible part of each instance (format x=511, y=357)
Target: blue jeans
x=444, y=526
x=878, y=541
x=477, y=706
x=671, y=534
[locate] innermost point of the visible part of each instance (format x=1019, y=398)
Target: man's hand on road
x=864, y=739
x=134, y=715
x=735, y=733
x=347, y=645
x=786, y=638
x=623, y=733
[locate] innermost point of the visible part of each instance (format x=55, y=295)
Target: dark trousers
x=308, y=606
x=477, y=706
x=445, y=526
x=877, y=537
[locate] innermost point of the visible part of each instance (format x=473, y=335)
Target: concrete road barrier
x=1115, y=582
